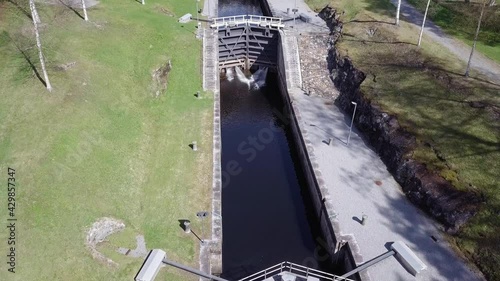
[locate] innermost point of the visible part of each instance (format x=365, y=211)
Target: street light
x=294, y=13
x=406, y=257
x=352, y=121
x=156, y=258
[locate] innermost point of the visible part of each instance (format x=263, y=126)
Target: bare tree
x=84, y=11
x=34, y=15
x=492, y=3
x=398, y=9
x=475, y=39
x=423, y=23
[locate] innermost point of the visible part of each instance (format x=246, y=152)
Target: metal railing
x=261, y=21
x=295, y=269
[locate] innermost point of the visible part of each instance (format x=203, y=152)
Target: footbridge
x=247, y=40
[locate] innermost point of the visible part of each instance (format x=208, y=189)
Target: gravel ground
x=313, y=50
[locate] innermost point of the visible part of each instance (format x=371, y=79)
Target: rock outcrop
x=394, y=144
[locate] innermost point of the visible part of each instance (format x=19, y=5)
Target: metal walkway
x=247, y=20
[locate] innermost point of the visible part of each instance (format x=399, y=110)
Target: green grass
x=101, y=144
x=424, y=87
x=460, y=20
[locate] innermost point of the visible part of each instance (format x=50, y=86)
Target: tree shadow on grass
x=22, y=9
x=72, y=9
x=25, y=56
x=373, y=41
x=368, y=21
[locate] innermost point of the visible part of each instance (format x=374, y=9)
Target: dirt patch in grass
x=98, y=233
x=160, y=78
x=164, y=11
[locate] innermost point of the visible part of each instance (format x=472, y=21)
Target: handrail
x=271, y=22
x=293, y=268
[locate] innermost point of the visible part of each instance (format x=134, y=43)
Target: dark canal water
x=266, y=216
x=239, y=7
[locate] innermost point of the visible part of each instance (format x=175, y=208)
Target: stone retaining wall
x=394, y=144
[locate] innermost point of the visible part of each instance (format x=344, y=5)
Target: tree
x=398, y=11
x=84, y=11
x=34, y=15
x=492, y=3
x=475, y=38
x=423, y=23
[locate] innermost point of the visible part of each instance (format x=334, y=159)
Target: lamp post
x=294, y=13
x=352, y=121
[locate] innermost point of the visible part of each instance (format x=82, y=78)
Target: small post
x=330, y=141
x=187, y=227
x=197, y=94
x=364, y=218
x=194, y=145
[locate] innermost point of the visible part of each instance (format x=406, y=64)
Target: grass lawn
x=460, y=20
x=425, y=88
x=101, y=144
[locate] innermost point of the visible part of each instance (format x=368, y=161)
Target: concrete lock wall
x=339, y=254
x=312, y=183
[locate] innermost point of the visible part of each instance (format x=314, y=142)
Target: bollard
x=330, y=141
x=187, y=227
x=197, y=95
x=287, y=11
x=195, y=146
x=363, y=219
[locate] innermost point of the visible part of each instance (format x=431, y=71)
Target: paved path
x=481, y=63
x=359, y=184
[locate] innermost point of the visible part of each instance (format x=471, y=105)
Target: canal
x=266, y=209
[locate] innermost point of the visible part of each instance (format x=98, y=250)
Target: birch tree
x=398, y=10
x=423, y=23
x=34, y=15
x=475, y=39
x=84, y=11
